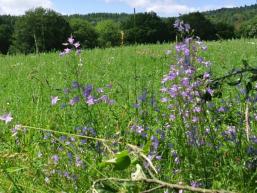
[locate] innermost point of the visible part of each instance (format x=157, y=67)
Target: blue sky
x=162, y=7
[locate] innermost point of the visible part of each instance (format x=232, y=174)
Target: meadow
x=62, y=143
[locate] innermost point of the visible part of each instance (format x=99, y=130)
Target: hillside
x=233, y=16
x=96, y=17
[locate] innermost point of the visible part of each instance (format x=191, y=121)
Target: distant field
x=28, y=82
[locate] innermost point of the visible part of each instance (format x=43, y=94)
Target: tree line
x=43, y=30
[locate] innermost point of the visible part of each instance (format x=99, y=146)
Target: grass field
x=34, y=160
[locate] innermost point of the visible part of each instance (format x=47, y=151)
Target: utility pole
x=135, y=24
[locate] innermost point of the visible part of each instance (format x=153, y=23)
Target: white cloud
x=171, y=9
x=163, y=7
x=18, y=7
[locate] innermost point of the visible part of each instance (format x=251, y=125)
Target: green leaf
x=147, y=147
x=120, y=162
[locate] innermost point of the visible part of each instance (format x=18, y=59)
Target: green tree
x=224, y=31
x=84, y=32
x=5, y=38
x=39, y=30
x=171, y=32
x=249, y=29
x=6, y=30
x=109, y=33
x=202, y=27
x=145, y=28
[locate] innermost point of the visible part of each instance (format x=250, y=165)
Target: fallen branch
x=153, y=189
x=161, y=185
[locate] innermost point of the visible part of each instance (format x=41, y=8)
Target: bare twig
x=238, y=72
x=162, y=185
x=153, y=189
x=69, y=134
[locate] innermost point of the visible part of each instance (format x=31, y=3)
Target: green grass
x=28, y=82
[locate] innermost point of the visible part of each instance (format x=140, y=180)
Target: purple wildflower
x=187, y=27
x=69, y=154
x=109, y=86
x=75, y=84
x=104, y=98
x=83, y=141
x=174, y=91
x=176, y=158
x=186, y=52
x=77, y=45
x=90, y=100
x=137, y=129
x=172, y=117
x=111, y=102
x=87, y=91
x=66, y=175
x=253, y=139
x=230, y=133
x=100, y=90
x=71, y=40
x=204, y=47
x=74, y=100
x=194, y=184
x=55, y=159
x=158, y=157
x=16, y=129
x=66, y=91
x=206, y=75
x=210, y=91
x=155, y=142
x=143, y=96
x=200, y=59
x=195, y=119
x=54, y=100
x=221, y=109
x=177, y=23
x=197, y=109
x=185, y=81
x=207, y=63
x=136, y=105
x=67, y=50
x=78, y=162
x=164, y=100
x=6, y=118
